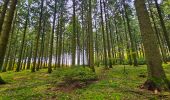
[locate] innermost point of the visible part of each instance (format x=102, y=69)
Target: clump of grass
x=79, y=74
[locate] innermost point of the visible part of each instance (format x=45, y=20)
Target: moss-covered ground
x=119, y=83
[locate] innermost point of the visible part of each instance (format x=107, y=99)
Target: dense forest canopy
x=38, y=34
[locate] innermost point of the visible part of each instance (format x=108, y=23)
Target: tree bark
x=130, y=35
x=156, y=76
x=74, y=35
x=23, y=41
x=107, y=34
x=5, y=32
x=164, y=58
x=36, y=45
x=163, y=24
x=2, y=15
x=91, y=46
x=103, y=34
x=52, y=37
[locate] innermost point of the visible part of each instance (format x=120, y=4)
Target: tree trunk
x=74, y=34
x=2, y=15
x=60, y=38
x=130, y=35
x=127, y=41
x=157, y=34
x=29, y=57
x=163, y=24
x=78, y=42
x=5, y=32
x=83, y=34
x=36, y=45
x=23, y=41
x=91, y=46
x=52, y=39
x=156, y=76
x=107, y=34
x=57, y=44
x=9, y=45
x=103, y=34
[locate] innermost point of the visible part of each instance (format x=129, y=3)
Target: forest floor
x=113, y=84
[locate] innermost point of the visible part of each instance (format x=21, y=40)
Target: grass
x=113, y=84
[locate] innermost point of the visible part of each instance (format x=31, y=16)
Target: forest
x=84, y=49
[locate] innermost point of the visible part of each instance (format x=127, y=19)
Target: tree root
x=153, y=86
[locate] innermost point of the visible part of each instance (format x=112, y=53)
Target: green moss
x=79, y=74
x=113, y=84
